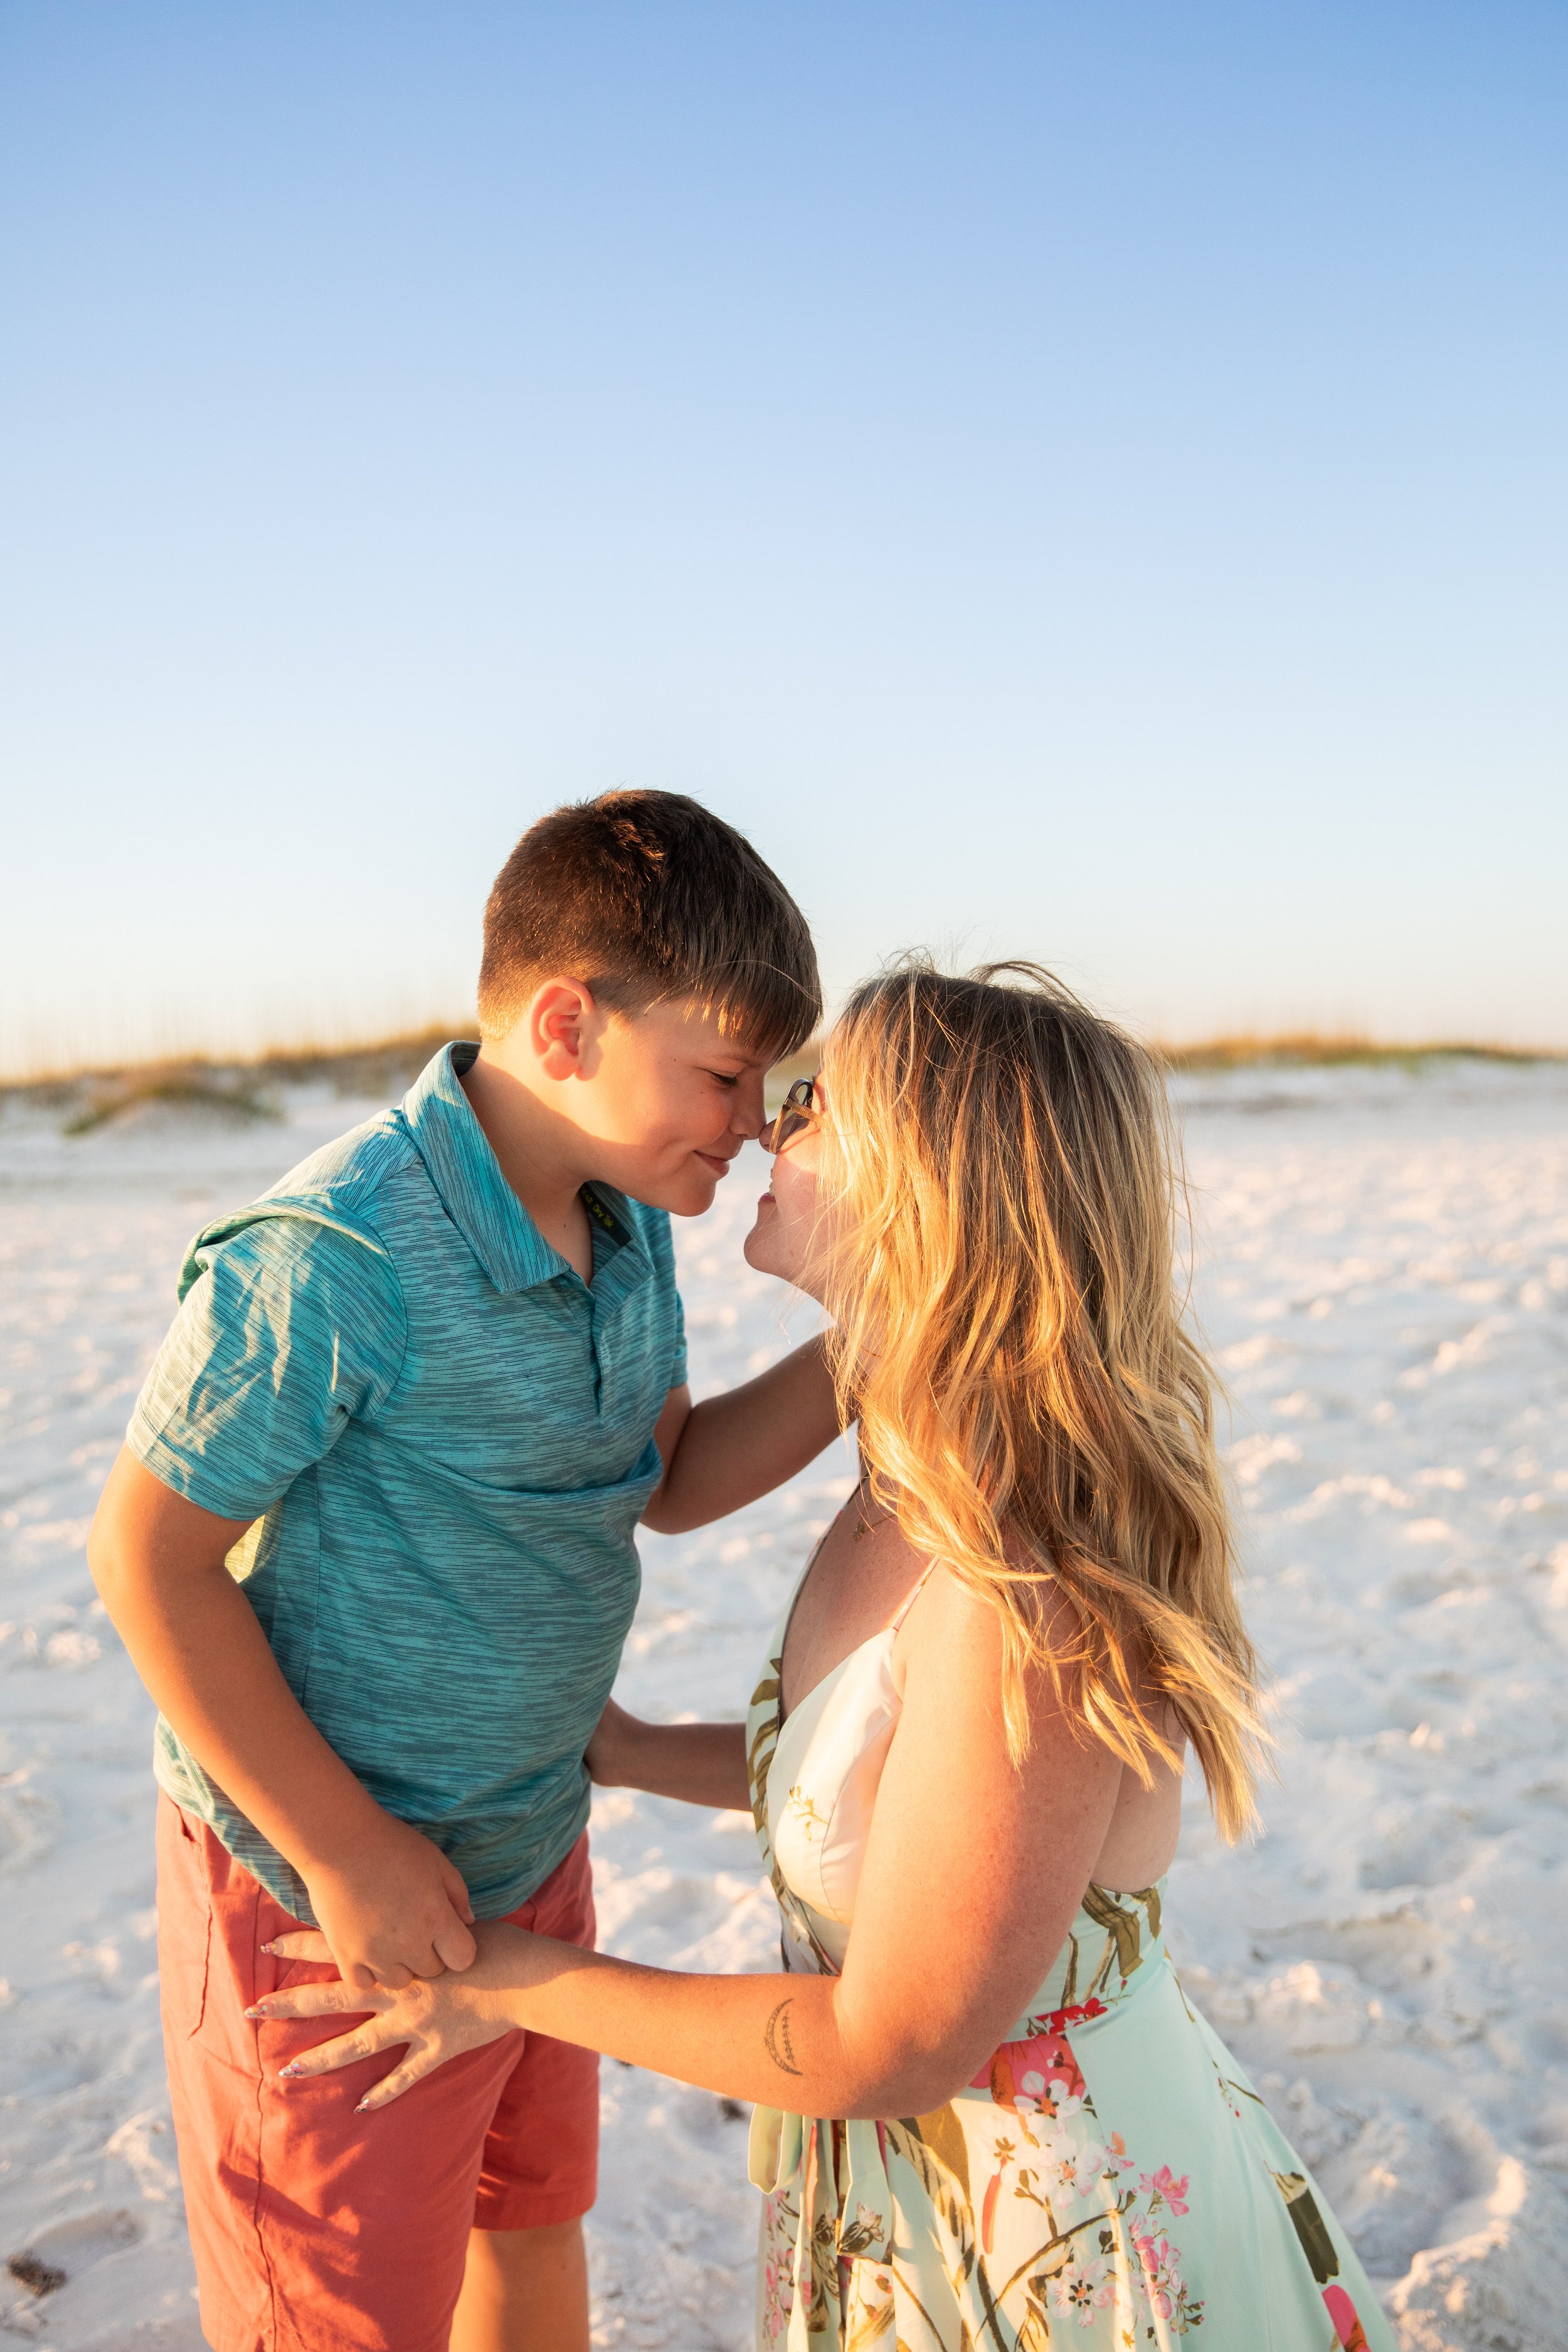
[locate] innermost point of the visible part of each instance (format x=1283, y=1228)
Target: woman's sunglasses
x=799, y=1112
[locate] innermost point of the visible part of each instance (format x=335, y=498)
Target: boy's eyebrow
x=724, y=1053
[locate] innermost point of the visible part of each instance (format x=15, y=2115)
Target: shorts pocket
x=185, y=1922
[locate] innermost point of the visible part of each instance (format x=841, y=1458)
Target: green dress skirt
x=1110, y=2180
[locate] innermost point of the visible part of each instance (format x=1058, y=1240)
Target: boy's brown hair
x=643, y=897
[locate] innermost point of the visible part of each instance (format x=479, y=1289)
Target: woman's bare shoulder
x=949, y=1608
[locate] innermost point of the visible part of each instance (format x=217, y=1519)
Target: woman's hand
x=436, y=2017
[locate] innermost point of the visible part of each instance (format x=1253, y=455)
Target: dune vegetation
x=381, y=1068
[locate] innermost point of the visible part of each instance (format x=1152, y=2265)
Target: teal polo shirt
x=447, y=1437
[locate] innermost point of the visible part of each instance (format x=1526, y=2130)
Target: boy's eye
x=726, y=1077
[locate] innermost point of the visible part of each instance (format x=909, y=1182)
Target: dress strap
x=909, y=1600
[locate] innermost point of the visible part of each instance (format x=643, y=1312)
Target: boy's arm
x=388, y=1901
x=725, y=1452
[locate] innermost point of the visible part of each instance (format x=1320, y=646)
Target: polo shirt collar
x=466, y=1176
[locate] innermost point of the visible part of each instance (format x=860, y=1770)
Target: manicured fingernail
x=268, y=1948
x=257, y=2011
x=289, y=2073
x=362, y=2105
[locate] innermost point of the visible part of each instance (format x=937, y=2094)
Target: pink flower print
x=778, y=2296
x=1161, y=2185
x=1081, y=2011
x=1346, y=2319
x=1081, y=2289
x=1046, y=2055
x=1163, y=2280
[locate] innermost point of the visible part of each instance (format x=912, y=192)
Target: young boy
x=433, y=1381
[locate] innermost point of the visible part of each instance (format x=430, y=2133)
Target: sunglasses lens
x=795, y=1115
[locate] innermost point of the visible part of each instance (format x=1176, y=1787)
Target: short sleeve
x=292, y=1330
x=678, y=1355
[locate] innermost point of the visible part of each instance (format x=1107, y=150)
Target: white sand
x=1386, y=1280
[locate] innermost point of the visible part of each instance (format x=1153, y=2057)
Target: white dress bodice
x=818, y=1790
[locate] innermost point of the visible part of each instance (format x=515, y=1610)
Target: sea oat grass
x=192, y=1085
x=1313, y=1049
x=381, y=1069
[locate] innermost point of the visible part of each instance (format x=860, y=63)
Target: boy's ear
x=561, y=1022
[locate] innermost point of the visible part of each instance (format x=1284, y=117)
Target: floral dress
x=1109, y=2180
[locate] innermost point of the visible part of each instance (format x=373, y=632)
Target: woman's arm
x=701, y=1763
x=744, y=2036
x=725, y=1452
x=971, y=1876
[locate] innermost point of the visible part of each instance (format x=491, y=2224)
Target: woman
x=986, y=2113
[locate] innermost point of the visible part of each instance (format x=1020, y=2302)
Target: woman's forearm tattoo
x=777, y=2041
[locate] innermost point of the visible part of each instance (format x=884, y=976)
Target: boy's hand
x=394, y=1910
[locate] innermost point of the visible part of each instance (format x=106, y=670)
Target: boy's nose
x=749, y=1114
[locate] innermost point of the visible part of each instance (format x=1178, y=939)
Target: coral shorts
x=316, y=2230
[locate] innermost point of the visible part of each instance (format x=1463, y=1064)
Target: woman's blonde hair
x=1001, y=1183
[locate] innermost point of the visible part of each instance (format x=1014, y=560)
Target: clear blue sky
x=1087, y=481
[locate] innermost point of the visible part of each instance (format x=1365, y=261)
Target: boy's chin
x=690, y=1194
